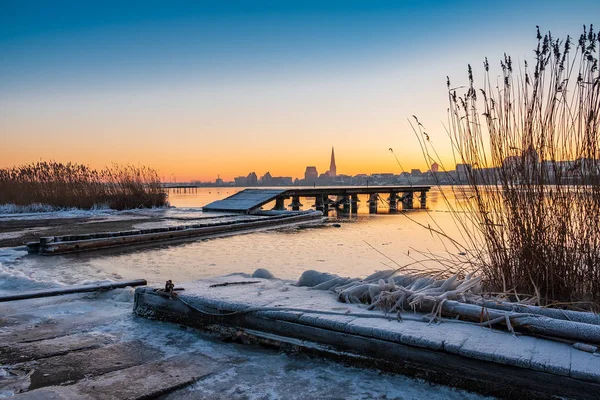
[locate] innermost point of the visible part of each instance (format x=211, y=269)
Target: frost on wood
x=460, y=298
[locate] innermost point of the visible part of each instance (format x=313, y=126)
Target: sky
x=201, y=89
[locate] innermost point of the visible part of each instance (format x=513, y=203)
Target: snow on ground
x=7, y=215
x=16, y=275
x=251, y=372
x=10, y=212
x=13, y=278
x=31, y=208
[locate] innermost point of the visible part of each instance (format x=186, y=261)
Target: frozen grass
x=532, y=140
x=47, y=186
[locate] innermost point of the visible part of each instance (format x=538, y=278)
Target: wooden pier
x=91, y=349
x=214, y=227
x=455, y=353
x=251, y=200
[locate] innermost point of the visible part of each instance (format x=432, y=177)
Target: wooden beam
x=147, y=381
x=101, y=286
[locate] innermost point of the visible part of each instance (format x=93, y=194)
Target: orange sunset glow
x=200, y=96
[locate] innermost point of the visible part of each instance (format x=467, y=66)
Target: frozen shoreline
x=57, y=335
x=18, y=228
x=473, y=357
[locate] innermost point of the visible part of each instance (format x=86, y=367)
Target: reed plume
x=530, y=140
x=67, y=185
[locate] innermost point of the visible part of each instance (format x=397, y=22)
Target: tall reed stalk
x=530, y=139
x=74, y=185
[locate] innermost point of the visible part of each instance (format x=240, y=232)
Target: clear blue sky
x=199, y=88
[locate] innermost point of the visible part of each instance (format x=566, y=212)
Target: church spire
x=332, y=167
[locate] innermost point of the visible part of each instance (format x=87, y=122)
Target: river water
x=362, y=244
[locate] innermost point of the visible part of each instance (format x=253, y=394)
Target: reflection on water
x=363, y=244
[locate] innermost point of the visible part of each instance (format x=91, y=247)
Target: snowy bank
x=458, y=354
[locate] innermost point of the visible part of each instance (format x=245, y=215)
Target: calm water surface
x=363, y=244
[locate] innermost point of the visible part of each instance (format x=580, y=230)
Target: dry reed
x=74, y=185
x=531, y=140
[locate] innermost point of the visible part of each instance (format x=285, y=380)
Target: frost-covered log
x=538, y=324
x=456, y=298
x=569, y=315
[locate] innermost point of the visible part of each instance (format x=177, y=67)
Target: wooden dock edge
x=49, y=247
x=439, y=367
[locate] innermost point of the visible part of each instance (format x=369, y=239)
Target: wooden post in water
x=373, y=199
x=423, y=199
x=354, y=204
x=279, y=203
x=319, y=203
x=296, y=203
x=407, y=202
x=345, y=201
x=393, y=201
x=326, y=203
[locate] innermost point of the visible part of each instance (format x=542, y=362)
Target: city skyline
x=199, y=89
x=312, y=176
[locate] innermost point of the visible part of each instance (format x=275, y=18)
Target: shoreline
x=467, y=356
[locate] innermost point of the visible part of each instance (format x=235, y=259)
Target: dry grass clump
x=74, y=185
x=532, y=140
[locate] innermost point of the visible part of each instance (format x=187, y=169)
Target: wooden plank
x=72, y=289
x=76, y=365
x=139, y=382
x=21, y=352
x=212, y=230
x=57, y=327
x=244, y=201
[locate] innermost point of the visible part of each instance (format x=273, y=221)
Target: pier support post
x=296, y=203
x=393, y=201
x=354, y=204
x=319, y=203
x=407, y=201
x=279, y=204
x=424, y=199
x=373, y=199
x=345, y=202
x=326, y=204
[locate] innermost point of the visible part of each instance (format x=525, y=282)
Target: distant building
x=219, y=181
x=435, y=167
x=240, y=181
x=462, y=171
x=332, y=168
x=415, y=172
x=523, y=163
x=281, y=181
x=311, y=175
x=266, y=179
x=252, y=179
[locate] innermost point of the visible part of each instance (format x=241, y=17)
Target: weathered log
x=538, y=324
x=72, y=289
x=569, y=315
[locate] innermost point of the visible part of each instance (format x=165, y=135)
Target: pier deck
x=207, y=228
x=457, y=354
x=244, y=201
x=250, y=200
